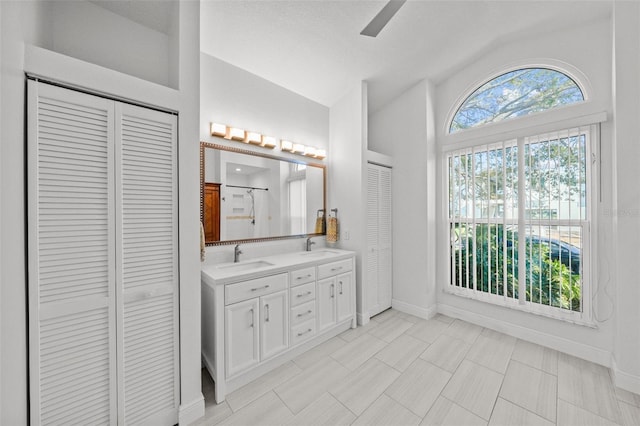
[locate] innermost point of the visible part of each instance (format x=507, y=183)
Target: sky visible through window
x=514, y=94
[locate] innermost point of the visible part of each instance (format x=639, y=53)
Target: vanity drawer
x=303, y=313
x=302, y=293
x=302, y=332
x=334, y=268
x=302, y=276
x=254, y=288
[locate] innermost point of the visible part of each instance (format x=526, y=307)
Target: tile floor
x=402, y=370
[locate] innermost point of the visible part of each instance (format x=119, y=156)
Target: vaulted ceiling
x=313, y=47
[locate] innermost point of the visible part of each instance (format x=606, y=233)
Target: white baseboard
x=577, y=349
x=191, y=412
x=363, y=318
x=623, y=380
x=418, y=311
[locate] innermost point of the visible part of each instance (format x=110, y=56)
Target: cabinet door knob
x=266, y=313
x=332, y=290
x=251, y=311
x=340, y=282
x=303, y=294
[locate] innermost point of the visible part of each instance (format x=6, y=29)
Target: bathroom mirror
x=248, y=196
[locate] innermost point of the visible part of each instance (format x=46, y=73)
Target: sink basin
x=244, y=266
x=319, y=253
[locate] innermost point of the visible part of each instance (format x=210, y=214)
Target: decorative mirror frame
x=204, y=145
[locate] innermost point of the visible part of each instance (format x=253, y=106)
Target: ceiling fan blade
x=382, y=18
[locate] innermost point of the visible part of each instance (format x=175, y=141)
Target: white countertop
x=227, y=273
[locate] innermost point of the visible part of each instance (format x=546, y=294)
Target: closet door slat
x=71, y=257
x=147, y=265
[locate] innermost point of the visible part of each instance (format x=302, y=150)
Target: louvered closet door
x=373, y=175
x=147, y=265
x=379, y=238
x=385, y=255
x=71, y=258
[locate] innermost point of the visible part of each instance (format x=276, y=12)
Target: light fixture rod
x=382, y=18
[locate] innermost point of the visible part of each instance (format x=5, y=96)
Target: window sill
x=576, y=318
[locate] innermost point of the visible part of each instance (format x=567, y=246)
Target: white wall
x=588, y=50
x=347, y=178
x=21, y=21
x=85, y=31
x=30, y=22
x=625, y=207
x=233, y=96
x=403, y=130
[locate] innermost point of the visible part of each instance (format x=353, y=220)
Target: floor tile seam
x=286, y=405
x=620, y=403
x=456, y=337
x=486, y=366
x=271, y=388
x=434, y=401
x=528, y=409
x=532, y=366
x=349, y=409
x=457, y=405
x=495, y=402
x=633, y=404
x=407, y=408
x=483, y=366
x=350, y=370
x=389, y=365
x=590, y=411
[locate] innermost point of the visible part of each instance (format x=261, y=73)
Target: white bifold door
x=378, y=292
x=103, y=253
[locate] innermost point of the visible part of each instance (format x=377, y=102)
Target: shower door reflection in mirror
x=248, y=196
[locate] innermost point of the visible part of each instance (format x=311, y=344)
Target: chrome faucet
x=309, y=243
x=236, y=253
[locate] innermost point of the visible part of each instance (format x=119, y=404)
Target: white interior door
x=385, y=254
x=147, y=265
x=103, y=281
x=379, y=239
x=72, y=333
x=372, y=283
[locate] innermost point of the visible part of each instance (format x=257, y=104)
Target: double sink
x=250, y=265
x=232, y=272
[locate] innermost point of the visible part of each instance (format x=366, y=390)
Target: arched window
x=514, y=94
x=520, y=201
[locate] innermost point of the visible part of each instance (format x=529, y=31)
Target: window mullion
x=522, y=273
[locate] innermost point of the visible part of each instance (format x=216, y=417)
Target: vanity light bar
x=218, y=130
x=298, y=148
x=255, y=138
x=268, y=142
x=286, y=145
x=237, y=134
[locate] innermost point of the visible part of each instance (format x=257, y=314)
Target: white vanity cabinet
x=257, y=328
x=335, y=293
x=243, y=339
x=345, y=296
x=272, y=310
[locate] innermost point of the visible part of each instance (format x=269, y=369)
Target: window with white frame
x=519, y=221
